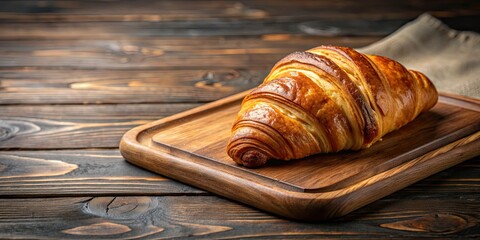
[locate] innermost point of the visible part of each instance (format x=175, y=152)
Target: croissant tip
x=253, y=158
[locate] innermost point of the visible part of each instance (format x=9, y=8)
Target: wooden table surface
x=76, y=75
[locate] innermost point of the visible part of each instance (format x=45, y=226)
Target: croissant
x=326, y=99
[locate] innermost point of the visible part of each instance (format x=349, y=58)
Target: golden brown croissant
x=325, y=100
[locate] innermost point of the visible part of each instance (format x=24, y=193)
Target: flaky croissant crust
x=323, y=100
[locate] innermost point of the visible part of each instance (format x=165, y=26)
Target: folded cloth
x=450, y=58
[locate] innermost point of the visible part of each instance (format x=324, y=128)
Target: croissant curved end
x=247, y=154
x=253, y=158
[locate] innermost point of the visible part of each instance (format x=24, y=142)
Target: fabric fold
x=450, y=58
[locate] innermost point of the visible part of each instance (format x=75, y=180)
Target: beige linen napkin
x=450, y=58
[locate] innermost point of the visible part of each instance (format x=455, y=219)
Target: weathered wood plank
x=105, y=172
x=195, y=28
x=32, y=86
x=213, y=217
x=75, y=126
x=221, y=65
x=115, y=56
x=114, y=30
x=236, y=19
x=198, y=45
x=186, y=45
x=129, y=53
x=80, y=173
x=126, y=10
x=145, y=10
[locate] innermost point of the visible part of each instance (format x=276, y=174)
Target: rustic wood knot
x=7, y=130
x=137, y=50
x=128, y=53
x=226, y=78
x=239, y=9
x=119, y=207
x=433, y=223
x=11, y=128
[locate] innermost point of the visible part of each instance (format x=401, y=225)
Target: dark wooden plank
x=79, y=173
x=195, y=28
x=115, y=55
x=75, y=126
x=125, y=10
x=113, y=30
x=263, y=44
x=77, y=19
x=145, y=10
x=261, y=52
x=37, y=86
x=221, y=65
x=399, y=216
x=218, y=45
x=105, y=172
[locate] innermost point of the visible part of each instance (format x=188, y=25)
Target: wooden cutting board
x=190, y=147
